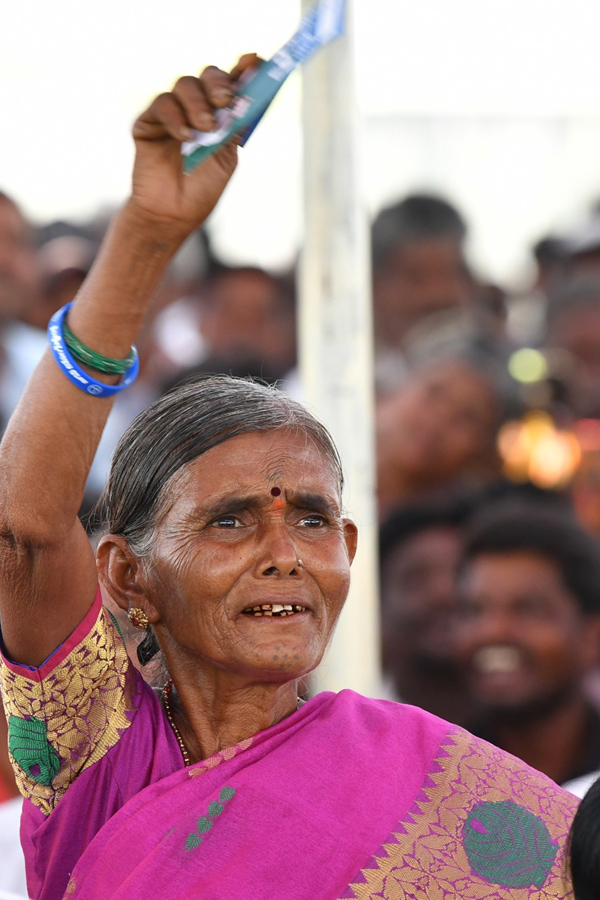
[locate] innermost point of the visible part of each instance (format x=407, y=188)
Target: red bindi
x=278, y=502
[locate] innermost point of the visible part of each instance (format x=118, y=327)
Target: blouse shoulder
x=65, y=715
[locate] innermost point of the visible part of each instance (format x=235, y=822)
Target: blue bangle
x=73, y=371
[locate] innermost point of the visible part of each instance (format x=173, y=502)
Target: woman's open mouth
x=277, y=610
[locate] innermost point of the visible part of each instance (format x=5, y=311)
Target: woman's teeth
x=274, y=609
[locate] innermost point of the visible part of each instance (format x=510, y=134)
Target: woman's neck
x=209, y=719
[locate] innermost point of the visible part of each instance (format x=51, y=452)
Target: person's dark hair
x=284, y=283
x=584, y=846
x=416, y=218
x=549, y=531
x=549, y=250
x=448, y=510
x=184, y=423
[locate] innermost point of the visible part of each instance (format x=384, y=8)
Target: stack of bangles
x=69, y=351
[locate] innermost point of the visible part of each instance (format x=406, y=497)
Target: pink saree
x=347, y=798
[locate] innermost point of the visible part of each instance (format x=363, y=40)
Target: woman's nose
x=278, y=556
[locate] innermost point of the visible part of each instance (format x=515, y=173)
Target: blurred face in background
x=440, y=424
x=523, y=640
x=419, y=278
x=578, y=332
x=419, y=593
x=247, y=317
x=19, y=271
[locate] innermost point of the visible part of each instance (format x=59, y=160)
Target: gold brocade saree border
x=80, y=708
x=425, y=858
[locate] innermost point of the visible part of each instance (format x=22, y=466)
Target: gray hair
x=184, y=423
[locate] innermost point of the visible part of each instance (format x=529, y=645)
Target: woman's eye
x=226, y=522
x=312, y=521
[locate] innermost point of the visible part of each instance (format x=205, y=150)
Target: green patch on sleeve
x=31, y=749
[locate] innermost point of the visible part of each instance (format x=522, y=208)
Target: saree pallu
x=348, y=798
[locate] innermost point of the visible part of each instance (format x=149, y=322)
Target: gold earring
x=138, y=617
x=299, y=563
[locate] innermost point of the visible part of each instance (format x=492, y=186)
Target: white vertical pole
x=335, y=326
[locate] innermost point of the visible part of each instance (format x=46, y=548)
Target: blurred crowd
x=488, y=451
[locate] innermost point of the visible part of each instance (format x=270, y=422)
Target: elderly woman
x=225, y=542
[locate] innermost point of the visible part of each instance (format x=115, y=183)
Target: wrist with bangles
x=69, y=351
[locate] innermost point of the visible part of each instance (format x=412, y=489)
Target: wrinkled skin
x=226, y=543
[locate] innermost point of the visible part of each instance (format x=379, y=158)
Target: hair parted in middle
x=187, y=421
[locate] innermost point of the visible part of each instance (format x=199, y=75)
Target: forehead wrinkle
x=272, y=469
x=274, y=477
x=296, y=496
x=275, y=470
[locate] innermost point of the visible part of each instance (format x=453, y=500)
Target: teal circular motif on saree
x=507, y=845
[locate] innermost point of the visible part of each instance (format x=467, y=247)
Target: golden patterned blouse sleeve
x=66, y=715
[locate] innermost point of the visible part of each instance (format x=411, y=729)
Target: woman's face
x=237, y=522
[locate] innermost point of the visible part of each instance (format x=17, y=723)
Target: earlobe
x=351, y=538
x=121, y=574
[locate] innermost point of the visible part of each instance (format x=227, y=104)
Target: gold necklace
x=167, y=707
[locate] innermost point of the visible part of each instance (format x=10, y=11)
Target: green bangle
x=95, y=360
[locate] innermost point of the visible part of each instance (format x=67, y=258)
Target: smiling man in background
x=529, y=590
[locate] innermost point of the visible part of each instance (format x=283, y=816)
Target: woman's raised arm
x=47, y=569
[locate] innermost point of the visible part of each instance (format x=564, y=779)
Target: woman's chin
x=279, y=667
